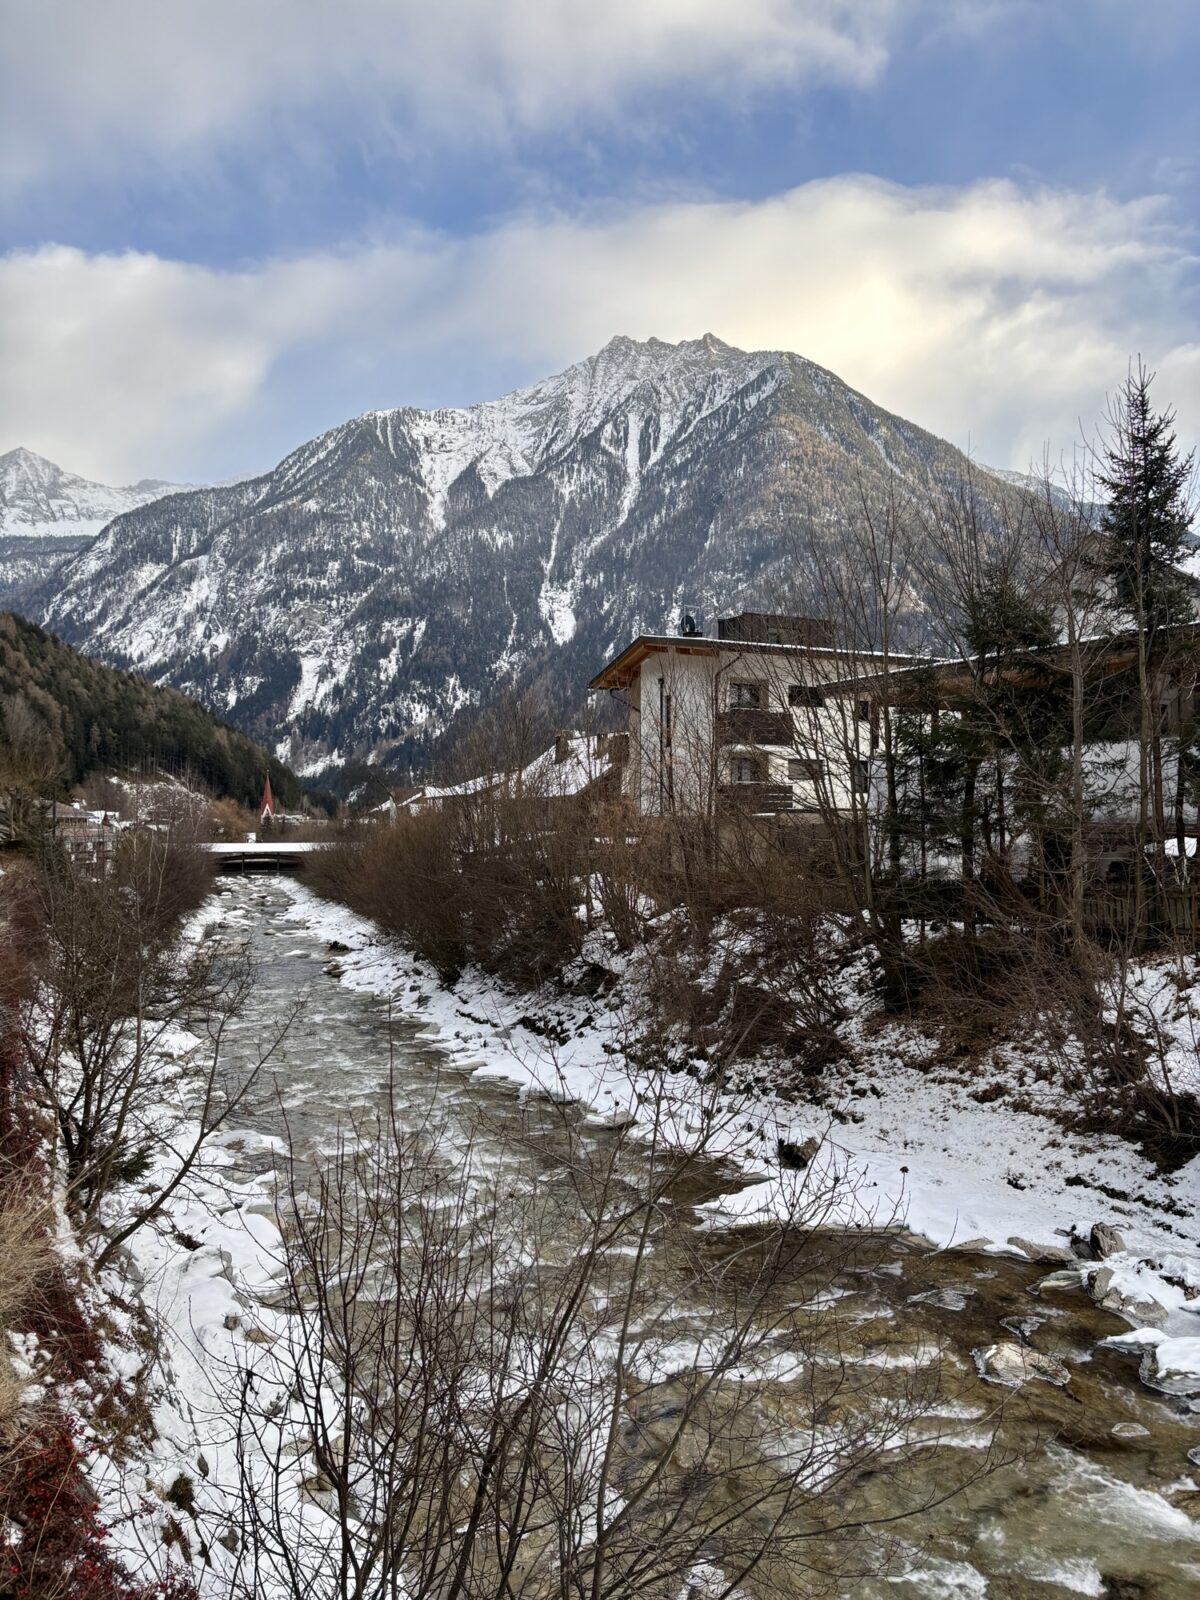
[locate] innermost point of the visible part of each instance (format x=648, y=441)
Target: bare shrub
x=406, y=878
x=113, y=983
x=499, y=874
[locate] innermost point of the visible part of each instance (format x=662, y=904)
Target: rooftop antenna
x=688, y=626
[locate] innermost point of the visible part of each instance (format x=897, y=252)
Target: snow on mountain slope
x=387, y=575
x=46, y=514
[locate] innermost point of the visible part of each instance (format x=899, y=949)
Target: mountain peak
x=26, y=465
x=22, y=464
x=622, y=344
x=656, y=353
x=392, y=572
x=47, y=513
x=675, y=373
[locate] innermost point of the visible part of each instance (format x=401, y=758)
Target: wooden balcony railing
x=754, y=797
x=753, y=726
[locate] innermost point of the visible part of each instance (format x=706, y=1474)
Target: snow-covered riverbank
x=922, y=1148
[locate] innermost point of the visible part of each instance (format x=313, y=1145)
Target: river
x=1098, y=1497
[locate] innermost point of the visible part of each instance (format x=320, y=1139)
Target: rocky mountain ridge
x=47, y=513
x=387, y=575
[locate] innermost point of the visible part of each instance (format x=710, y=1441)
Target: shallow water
x=1079, y=1510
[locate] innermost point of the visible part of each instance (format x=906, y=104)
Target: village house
x=86, y=835
x=768, y=717
x=772, y=718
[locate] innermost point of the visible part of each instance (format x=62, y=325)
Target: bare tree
x=115, y=983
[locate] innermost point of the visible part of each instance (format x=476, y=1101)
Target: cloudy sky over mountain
x=228, y=226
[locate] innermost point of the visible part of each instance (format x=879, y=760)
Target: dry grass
x=26, y=1255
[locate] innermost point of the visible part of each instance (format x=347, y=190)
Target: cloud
x=995, y=316
x=126, y=85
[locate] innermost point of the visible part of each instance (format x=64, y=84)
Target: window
x=803, y=694
x=860, y=775
x=803, y=769
x=862, y=710
x=744, y=769
x=774, y=636
x=745, y=696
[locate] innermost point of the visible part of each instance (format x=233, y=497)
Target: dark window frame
x=745, y=687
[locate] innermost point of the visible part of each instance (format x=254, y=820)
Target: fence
x=1172, y=911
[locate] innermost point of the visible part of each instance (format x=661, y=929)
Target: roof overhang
x=907, y=672
x=622, y=669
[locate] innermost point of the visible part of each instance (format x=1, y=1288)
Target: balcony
x=753, y=726
x=754, y=797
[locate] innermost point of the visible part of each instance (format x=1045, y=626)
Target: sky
x=226, y=227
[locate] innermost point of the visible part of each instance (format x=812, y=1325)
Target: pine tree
x=1147, y=518
x=1145, y=525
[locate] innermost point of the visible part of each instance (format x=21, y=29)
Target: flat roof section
x=618, y=674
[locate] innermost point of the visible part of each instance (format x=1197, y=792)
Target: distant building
x=272, y=817
x=85, y=835
x=577, y=768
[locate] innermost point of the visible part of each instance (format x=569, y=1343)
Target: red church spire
x=267, y=809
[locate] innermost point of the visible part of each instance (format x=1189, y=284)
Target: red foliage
x=22, y=1142
x=58, y=1548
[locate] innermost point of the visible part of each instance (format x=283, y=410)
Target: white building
x=769, y=716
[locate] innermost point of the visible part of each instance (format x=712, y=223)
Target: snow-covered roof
x=74, y=813
x=581, y=765
x=545, y=776
x=434, y=793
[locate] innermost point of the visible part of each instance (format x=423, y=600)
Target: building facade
x=769, y=716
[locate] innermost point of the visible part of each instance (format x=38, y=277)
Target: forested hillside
x=69, y=716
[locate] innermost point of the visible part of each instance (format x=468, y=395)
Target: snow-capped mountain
x=393, y=571
x=46, y=514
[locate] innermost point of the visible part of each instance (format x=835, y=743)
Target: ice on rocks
x=1015, y=1364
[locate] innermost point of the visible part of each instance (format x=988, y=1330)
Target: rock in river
x=1142, y=1310
x=1046, y=1254
x=1013, y=1364
x=1105, y=1241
